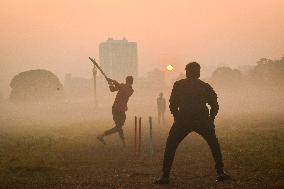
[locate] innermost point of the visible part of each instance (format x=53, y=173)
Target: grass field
x=47, y=154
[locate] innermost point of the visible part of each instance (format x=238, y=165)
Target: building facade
x=118, y=58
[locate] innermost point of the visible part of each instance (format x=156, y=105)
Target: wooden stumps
x=151, y=127
x=151, y=149
x=135, y=136
x=139, y=135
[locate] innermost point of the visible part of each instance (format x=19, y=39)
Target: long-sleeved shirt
x=122, y=96
x=189, y=98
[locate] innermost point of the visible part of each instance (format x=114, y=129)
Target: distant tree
x=35, y=86
x=268, y=72
x=263, y=61
x=226, y=76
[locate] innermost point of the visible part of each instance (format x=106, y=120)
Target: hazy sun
x=170, y=67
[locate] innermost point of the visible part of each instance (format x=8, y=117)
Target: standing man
x=188, y=105
x=161, y=104
x=119, y=107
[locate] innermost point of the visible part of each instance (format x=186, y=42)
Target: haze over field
x=60, y=35
x=53, y=108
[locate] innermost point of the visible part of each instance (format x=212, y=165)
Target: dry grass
x=57, y=155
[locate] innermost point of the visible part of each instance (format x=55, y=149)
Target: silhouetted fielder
x=188, y=105
x=124, y=91
x=161, y=104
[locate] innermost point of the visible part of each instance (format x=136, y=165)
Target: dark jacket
x=189, y=99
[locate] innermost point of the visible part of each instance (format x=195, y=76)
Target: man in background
x=188, y=105
x=161, y=105
x=124, y=91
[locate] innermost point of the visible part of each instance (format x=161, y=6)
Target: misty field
x=39, y=150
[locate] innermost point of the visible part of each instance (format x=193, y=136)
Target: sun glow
x=170, y=67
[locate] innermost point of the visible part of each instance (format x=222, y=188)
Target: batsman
x=119, y=107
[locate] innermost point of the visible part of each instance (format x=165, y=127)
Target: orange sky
x=59, y=35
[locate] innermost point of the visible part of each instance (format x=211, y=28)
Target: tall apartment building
x=119, y=58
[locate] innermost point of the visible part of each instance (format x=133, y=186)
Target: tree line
x=266, y=73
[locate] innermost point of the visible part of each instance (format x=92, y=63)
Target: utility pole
x=95, y=84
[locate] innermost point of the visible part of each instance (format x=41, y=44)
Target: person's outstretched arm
x=212, y=100
x=174, y=101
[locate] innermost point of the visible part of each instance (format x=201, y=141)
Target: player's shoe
x=223, y=177
x=162, y=180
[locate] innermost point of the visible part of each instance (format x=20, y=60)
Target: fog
x=258, y=91
x=54, y=104
x=60, y=35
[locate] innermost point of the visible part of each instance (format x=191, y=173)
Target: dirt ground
x=47, y=154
